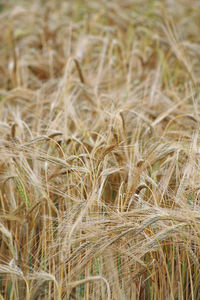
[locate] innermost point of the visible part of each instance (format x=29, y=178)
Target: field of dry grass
x=99, y=150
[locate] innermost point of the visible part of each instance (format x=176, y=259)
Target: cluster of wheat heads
x=99, y=150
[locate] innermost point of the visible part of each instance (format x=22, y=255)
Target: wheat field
x=99, y=150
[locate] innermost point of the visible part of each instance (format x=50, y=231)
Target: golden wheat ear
x=99, y=150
